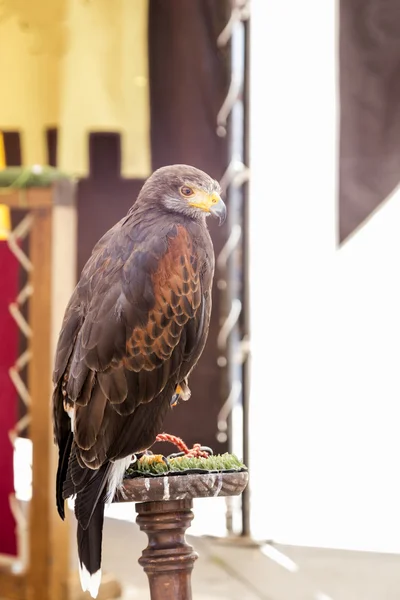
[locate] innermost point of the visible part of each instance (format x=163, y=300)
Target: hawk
x=133, y=330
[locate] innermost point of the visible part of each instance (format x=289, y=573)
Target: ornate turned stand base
x=164, y=512
x=168, y=560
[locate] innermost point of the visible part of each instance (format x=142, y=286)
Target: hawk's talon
x=165, y=459
x=182, y=392
x=176, y=454
x=140, y=455
x=174, y=400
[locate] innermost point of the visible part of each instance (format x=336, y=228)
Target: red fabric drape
x=8, y=396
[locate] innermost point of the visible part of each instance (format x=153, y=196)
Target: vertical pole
x=49, y=560
x=246, y=291
x=168, y=560
x=63, y=279
x=233, y=337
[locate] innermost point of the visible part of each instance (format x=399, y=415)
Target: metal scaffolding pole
x=233, y=338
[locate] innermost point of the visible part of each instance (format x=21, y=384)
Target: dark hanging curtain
x=189, y=80
x=369, y=62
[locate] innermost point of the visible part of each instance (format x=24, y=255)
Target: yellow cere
x=205, y=201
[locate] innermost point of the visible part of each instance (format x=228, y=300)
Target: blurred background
x=295, y=108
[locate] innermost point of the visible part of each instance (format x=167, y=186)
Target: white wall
x=325, y=444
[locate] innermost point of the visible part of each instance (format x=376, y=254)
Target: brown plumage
x=133, y=330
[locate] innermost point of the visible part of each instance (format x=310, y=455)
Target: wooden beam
x=49, y=540
x=27, y=199
x=63, y=280
x=12, y=585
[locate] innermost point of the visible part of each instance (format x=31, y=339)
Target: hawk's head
x=184, y=189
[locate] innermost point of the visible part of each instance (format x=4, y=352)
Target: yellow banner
x=81, y=67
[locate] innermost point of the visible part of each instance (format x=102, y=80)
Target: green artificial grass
x=26, y=177
x=156, y=465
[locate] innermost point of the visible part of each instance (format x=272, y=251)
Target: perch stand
x=164, y=507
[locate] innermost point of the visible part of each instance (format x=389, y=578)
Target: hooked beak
x=218, y=208
x=213, y=204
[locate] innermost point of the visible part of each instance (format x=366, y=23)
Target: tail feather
x=90, y=488
x=88, y=485
x=63, y=458
x=89, y=550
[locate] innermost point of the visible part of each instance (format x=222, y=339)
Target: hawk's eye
x=186, y=191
